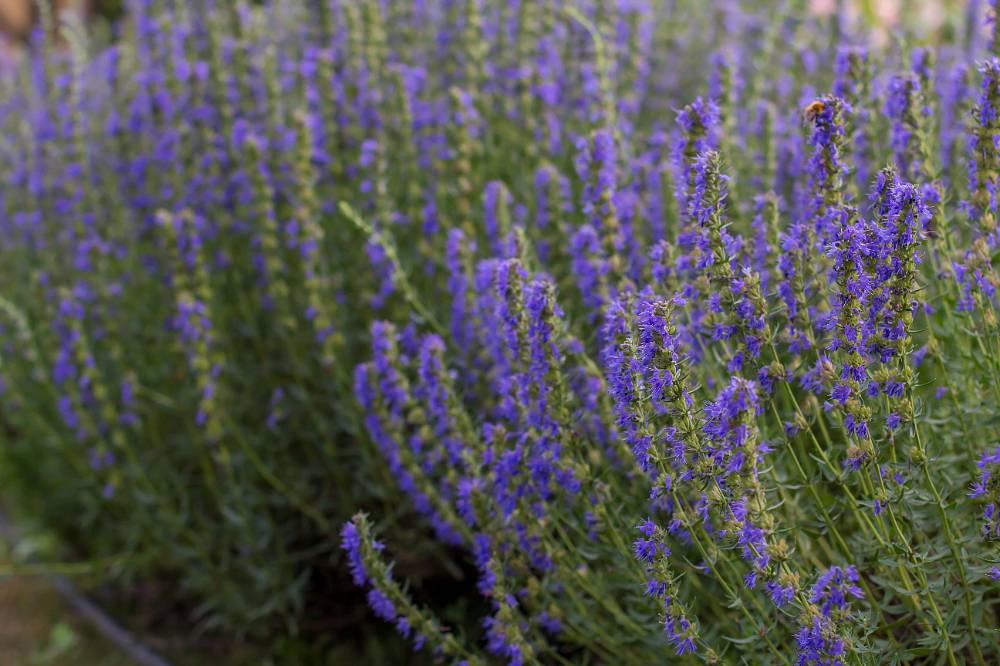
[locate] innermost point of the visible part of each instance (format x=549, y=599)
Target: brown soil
x=37, y=628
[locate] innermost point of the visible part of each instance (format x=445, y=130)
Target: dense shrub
x=182, y=307
x=680, y=318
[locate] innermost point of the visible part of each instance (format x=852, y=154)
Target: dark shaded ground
x=38, y=628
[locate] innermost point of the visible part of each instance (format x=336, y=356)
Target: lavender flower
x=985, y=156
x=388, y=600
x=822, y=639
x=986, y=489
x=905, y=107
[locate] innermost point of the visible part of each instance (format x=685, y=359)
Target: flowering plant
x=676, y=326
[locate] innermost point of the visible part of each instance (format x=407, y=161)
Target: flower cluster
x=986, y=489
x=821, y=639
